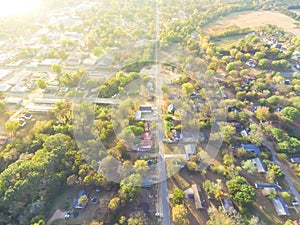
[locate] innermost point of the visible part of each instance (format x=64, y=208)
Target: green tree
x=179, y=215
x=178, y=196
x=187, y=89
x=290, y=113
x=83, y=200
x=114, y=203
x=41, y=83
x=272, y=194
x=241, y=191
x=56, y=68
x=2, y=107
x=249, y=166
x=137, y=218
x=227, y=131
x=141, y=167
x=289, y=222
x=277, y=134
x=63, y=111
x=130, y=186
x=262, y=113
x=264, y=64
x=12, y=127
x=122, y=220
x=286, y=196
x=97, y=51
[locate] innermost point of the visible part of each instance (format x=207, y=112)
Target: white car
x=158, y=214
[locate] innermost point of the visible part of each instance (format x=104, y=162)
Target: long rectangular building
x=198, y=202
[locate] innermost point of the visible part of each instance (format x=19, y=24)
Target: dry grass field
x=253, y=19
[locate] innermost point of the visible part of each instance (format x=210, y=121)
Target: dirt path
x=58, y=214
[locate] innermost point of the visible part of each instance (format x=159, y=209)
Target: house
x=146, y=144
x=190, y=149
x=171, y=108
x=259, y=165
x=187, y=138
x=228, y=205
x=196, y=191
x=50, y=101
x=266, y=185
x=244, y=133
x=39, y=108
x=64, y=89
x=4, y=73
x=278, y=46
x=297, y=54
x=4, y=87
x=252, y=148
x=251, y=63
x=146, y=108
x=19, y=89
x=295, y=160
x=81, y=193
x=138, y=115
x=51, y=89
x=280, y=206
x=11, y=100
x=286, y=74
x=146, y=135
x=50, y=62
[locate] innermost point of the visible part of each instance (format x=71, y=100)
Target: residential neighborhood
x=150, y=112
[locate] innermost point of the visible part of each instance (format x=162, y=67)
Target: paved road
x=286, y=177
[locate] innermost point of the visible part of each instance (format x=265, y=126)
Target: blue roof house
x=252, y=148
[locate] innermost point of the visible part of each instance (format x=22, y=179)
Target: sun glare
x=16, y=7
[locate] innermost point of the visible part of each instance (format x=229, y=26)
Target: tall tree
x=179, y=215
x=12, y=127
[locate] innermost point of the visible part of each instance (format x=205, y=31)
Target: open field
x=253, y=19
x=225, y=42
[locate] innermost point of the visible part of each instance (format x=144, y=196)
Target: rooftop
x=295, y=160
x=259, y=165
x=50, y=62
x=190, y=149
x=250, y=147
x=280, y=206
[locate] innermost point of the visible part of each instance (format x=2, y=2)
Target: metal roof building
x=259, y=165
x=252, y=148
x=280, y=206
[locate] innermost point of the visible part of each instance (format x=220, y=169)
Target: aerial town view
x=150, y=112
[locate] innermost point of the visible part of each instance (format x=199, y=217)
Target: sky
x=17, y=7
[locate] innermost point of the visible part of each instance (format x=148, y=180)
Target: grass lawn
x=64, y=201
x=226, y=42
x=253, y=19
